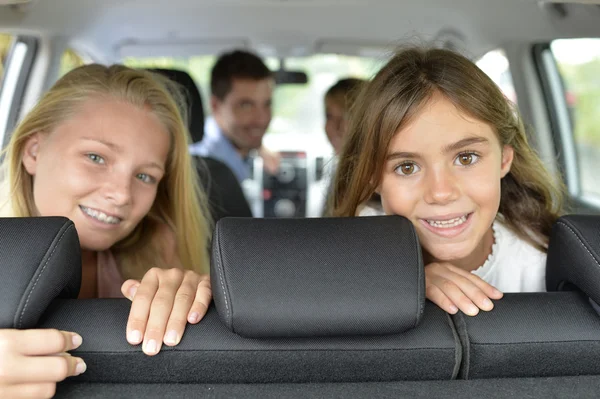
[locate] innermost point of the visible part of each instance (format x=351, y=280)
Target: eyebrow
x=448, y=148
x=119, y=149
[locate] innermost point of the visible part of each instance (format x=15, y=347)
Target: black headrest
x=194, y=100
x=574, y=255
x=317, y=277
x=40, y=260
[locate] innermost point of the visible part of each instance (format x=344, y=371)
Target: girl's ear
x=508, y=154
x=30, y=153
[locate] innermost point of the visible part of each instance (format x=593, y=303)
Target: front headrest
x=195, y=111
x=40, y=260
x=573, y=255
x=317, y=277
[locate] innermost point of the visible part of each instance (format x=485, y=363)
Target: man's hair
x=237, y=64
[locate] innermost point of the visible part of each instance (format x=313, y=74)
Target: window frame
x=18, y=67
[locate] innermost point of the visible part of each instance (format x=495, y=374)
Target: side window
x=578, y=63
x=495, y=64
x=5, y=43
x=69, y=60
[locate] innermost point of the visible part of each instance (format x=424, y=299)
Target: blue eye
x=407, y=169
x=146, y=178
x=95, y=158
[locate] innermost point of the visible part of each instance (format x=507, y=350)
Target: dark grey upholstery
x=312, y=277
x=530, y=340
x=210, y=353
x=531, y=335
x=40, y=260
x=574, y=255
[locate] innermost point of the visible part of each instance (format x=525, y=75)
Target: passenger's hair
x=344, y=91
x=180, y=203
x=531, y=200
x=237, y=64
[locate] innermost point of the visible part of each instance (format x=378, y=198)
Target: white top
x=514, y=264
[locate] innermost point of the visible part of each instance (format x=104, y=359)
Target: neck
x=475, y=259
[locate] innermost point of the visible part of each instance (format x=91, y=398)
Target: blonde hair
x=530, y=198
x=180, y=203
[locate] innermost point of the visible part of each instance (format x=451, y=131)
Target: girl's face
x=100, y=168
x=443, y=172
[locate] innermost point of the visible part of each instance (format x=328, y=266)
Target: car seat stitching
x=580, y=241
x=40, y=275
x=221, y=275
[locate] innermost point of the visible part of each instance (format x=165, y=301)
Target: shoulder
x=371, y=209
x=515, y=264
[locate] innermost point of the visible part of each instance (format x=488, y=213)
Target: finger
x=140, y=307
x=129, y=288
x=450, y=288
x=42, y=341
x=202, y=300
x=160, y=311
x=182, y=306
x=471, y=286
x=435, y=295
x=27, y=391
x=489, y=290
x=47, y=368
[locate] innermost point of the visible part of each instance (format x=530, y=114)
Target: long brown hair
x=530, y=198
x=180, y=203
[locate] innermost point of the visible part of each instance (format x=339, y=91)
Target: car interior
x=281, y=324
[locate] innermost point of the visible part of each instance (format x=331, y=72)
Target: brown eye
x=465, y=159
x=407, y=169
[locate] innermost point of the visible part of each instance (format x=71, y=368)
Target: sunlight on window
x=495, y=65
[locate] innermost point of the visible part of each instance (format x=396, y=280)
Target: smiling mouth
x=100, y=216
x=449, y=223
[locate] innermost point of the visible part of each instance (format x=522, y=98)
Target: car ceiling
x=115, y=28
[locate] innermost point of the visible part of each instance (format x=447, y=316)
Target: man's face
x=245, y=112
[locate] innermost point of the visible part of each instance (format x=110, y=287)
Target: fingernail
x=132, y=291
x=488, y=304
x=151, y=346
x=453, y=309
x=171, y=337
x=134, y=337
x=77, y=340
x=472, y=310
x=194, y=317
x=80, y=367
x=498, y=292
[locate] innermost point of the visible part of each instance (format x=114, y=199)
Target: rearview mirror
x=283, y=76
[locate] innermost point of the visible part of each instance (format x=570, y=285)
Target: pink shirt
x=109, y=277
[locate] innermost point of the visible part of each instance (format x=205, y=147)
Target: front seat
x=225, y=194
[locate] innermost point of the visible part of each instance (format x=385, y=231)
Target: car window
x=495, y=64
x=298, y=109
x=70, y=59
x=5, y=43
x=578, y=62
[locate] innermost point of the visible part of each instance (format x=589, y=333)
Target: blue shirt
x=216, y=145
